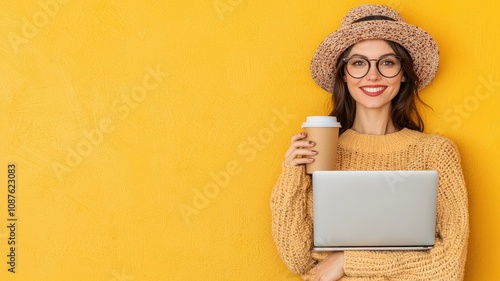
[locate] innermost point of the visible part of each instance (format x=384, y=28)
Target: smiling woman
x=357, y=84
x=372, y=90
x=374, y=66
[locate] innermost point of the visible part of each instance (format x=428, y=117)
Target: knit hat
x=363, y=23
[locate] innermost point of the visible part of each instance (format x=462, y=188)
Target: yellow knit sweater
x=291, y=206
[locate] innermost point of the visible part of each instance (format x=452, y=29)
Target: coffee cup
x=324, y=131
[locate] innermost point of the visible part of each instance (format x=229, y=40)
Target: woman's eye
x=387, y=63
x=358, y=63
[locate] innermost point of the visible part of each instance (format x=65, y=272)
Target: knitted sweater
x=291, y=206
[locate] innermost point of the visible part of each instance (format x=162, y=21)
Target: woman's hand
x=300, y=151
x=331, y=268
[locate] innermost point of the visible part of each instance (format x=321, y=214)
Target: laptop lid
x=374, y=210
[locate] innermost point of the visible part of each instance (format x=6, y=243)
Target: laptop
x=374, y=210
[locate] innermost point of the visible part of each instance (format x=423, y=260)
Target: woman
x=374, y=66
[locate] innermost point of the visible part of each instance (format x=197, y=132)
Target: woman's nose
x=373, y=74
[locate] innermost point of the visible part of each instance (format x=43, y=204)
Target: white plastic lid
x=321, y=122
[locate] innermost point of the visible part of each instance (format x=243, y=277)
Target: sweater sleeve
x=291, y=205
x=446, y=261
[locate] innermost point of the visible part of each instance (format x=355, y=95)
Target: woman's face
x=373, y=91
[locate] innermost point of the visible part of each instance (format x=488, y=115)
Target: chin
x=373, y=104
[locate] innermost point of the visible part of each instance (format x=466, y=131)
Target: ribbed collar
x=352, y=140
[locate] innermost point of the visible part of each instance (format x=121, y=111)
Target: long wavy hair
x=404, y=113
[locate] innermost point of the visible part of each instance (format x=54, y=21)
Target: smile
x=373, y=91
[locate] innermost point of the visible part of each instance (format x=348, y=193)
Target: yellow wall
x=147, y=135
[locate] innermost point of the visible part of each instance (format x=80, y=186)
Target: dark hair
x=404, y=113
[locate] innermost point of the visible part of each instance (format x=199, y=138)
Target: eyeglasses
x=358, y=66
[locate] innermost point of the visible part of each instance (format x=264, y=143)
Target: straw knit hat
x=359, y=25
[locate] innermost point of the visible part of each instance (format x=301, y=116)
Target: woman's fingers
x=299, y=136
x=299, y=145
x=299, y=161
x=300, y=151
x=298, y=141
x=301, y=156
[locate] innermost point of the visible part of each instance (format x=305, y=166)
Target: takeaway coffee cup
x=324, y=131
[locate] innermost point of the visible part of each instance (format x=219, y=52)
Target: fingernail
x=311, y=142
x=314, y=152
x=311, y=159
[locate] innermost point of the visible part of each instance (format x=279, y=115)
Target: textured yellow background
x=148, y=134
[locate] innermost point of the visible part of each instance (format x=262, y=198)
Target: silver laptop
x=374, y=210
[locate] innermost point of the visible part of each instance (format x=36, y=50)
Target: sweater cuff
x=293, y=176
x=294, y=169
x=365, y=263
x=354, y=265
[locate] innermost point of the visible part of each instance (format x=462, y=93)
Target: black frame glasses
x=386, y=62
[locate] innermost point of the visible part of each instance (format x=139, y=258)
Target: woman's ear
x=403, y=79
